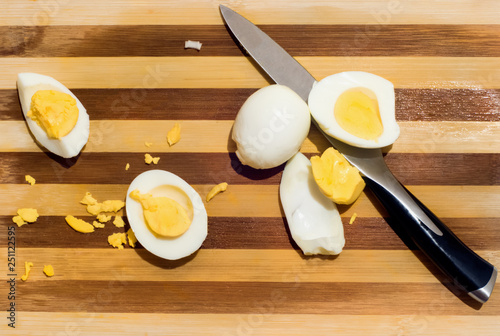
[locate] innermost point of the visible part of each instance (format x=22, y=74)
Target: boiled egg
x=55, y=116
x=357, y=108
x=313, y=219
x=270, y=127
x=166, y=214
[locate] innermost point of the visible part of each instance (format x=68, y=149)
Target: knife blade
x=463, y=267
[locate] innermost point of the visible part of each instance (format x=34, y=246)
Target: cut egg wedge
x=54, y=115
x=166, y=214
x=357, y=108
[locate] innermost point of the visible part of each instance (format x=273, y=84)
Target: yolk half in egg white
x=54, y=111
x=164, y=216
x=357, y=112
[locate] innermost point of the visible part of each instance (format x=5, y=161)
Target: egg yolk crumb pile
x=336, y=178
x=25, y=216
x=48, y=270
x=216, y=190
x=164, y=216
x=174, y=135
x=357, y=112
x=30, y=179
x=27, y=266
x=54, y=111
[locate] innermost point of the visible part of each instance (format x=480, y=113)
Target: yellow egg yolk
x=336, y=178
x=54, y=111
x=357, y=112
x=164, y=216
x=48, y=270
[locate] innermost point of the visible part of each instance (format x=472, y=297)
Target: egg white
x=69, y=145
x=325, y=93
x=163, y=247
x=313, y=219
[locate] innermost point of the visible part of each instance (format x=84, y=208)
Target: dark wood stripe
x=371, y=39
x=203, y=297
x=255, y=233
x=213, y=168
x=224, y=104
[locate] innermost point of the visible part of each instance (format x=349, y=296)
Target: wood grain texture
x=126, y=62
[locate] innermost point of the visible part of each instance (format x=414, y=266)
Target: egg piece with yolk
x=166, y=214
x=357, y=108
x=54, y=115
x=270, y=127
x=313, y=219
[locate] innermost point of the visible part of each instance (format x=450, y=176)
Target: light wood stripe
x=249, y=200
x=213, y=136
x=191, y=12
x=259, y=322
x=239, y=265
x=241, y=72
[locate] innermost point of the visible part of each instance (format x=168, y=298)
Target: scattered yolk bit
x=174, y=135
x=94, y=209
x=88, y=199
x=163, y=215
x=117, y=240
x=148, y=144
x=216, y=190
x=54, y=111
x=30, y=179
x=119, y=222
x=357, y=112
x=103, y=218
x=79, y=224
x=25, y=215
x=353, y=218
x=149, y=159
x=27, y=266
x=48, y=270
x=131, y=238
x=112, y=206
x=127, y=166
x=98, y=225
x=336, y=178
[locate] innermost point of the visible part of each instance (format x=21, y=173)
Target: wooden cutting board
x=127, y=63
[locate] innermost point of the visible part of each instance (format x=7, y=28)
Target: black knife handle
x=463, y=266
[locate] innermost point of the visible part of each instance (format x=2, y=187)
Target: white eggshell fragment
x=69, y=145
x=163, y=183
x=270, y=127
x=326, y=92
x=313, y=219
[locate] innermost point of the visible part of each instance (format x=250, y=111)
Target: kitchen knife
x=459, y=263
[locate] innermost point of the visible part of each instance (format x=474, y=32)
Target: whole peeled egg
x=55, y=116
x=357, y=108
x=270, y=127
x=166, y=214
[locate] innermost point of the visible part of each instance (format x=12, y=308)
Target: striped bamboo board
x=126, y=62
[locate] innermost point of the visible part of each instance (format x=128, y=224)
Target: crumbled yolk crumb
x=117, y=240
x=103, y=218
x=148, y=144
x=79, y=224
x=88, y=199
x=174, y=135
x=127, y=166
x=27, y=266
x=131, y=238
x=336, y=178
x=119, y=222
x=54, y=111
x=216, y=190
x=353, y=218
x=48, y=270
x=95, y=208
x=30, y=179
x=98, y=225
x=25, y=215
x=163, y=215
x=149, y=159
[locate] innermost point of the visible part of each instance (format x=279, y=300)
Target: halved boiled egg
x=357, y=108
x=313, y=219
x=55, y=116
x=166, y=214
